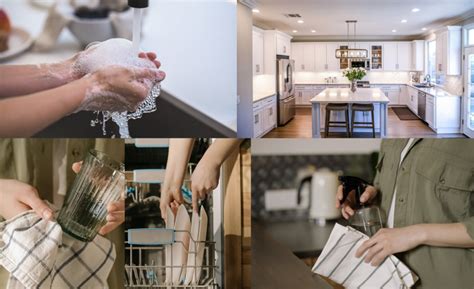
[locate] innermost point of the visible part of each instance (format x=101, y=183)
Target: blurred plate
x=20, y=40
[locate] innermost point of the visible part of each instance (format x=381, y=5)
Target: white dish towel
x=338, y=263
x=37, y=254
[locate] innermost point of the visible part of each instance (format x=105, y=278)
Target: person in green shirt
x=426, y=188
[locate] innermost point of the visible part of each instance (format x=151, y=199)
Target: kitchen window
x=470, y=37
x=432, y=60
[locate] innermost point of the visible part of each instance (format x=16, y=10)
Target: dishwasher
x=422, y=105
x=145, y=262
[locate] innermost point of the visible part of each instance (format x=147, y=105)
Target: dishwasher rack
x=146, y=267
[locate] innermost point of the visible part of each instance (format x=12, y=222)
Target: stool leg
x=352, y=122
x=326, y=126
x=373, y=123
x=348, y=130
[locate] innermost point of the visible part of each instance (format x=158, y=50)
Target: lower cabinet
x=443, y=114
x=412, y=99
x=264, y=116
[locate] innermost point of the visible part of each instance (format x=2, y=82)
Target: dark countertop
x=274, y=266
x=304, y=238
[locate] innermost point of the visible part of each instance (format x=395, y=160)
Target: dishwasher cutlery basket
x=146, y=267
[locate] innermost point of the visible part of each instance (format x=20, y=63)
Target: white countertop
x=259, y=95
x=434, y=91
x=345, y=95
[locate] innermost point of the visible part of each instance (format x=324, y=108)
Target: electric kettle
x=321, y=194
x=366, y=219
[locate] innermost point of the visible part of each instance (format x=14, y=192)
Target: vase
x=354, y=85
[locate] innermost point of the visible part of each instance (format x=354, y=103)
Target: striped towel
x=37, y=254
x=338, y=263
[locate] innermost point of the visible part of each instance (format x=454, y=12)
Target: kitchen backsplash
x=372, y=76
x=264, y=83
x=280, y=172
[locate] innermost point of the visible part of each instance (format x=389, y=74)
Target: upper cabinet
x=418, y=55
x=258, y=51
x=376, y=55
x=304, y=56
x=283, y=43
x=275, y=43
x=397, y=56
x=448, y=50
x=321, y=60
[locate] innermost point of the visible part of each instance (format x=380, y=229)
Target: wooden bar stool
x=358, y=107
x=329, y=123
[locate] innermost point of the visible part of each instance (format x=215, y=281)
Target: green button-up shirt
x=434, y=184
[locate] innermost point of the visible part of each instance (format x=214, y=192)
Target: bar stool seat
x=362, y=107
x=330, y=123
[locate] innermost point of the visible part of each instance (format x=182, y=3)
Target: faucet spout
x=138, y=3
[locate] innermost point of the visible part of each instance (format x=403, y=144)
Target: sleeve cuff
x=469, y=224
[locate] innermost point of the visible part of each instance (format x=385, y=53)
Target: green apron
x=31, y=161
x=434, y=184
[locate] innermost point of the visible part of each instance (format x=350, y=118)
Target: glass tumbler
x=367, y=220
x=100, y=182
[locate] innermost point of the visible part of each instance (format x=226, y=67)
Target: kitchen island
x=373, y=96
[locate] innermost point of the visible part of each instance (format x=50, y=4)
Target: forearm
x=445, y=235
x=220, y=150
x=19, y=80
x=24, y=116
x=178, y=158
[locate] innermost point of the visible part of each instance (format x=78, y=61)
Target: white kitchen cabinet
x=274, y=42
x=430, y=111
x=390, y=58
x=333, y=63
x=449, y=50
x=304, y=56
x=321, y=60
x=418, y=55
x=377, y=53
x=283, y=43
x=392, y=92
x=258, y=51
x=265, y=116
x=412, y=99
x=403, y=98
x=304, y=93
x=397, y=56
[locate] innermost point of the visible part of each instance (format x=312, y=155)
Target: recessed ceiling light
x=295, y=31
x=394, y=30
x=255, y=11
x=424, y=28
x=404, y=21
x=300, y=21
x=313, y=31
x=414, y=10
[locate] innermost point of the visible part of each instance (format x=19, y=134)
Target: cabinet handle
x=326, y=66
x=256, y=119
x=302, y=66
x=440, y=67
x=258, y=67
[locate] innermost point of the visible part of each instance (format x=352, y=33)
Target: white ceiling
x=375, y=17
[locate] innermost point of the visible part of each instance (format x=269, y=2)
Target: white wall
x=313, y=146
x=196, y=43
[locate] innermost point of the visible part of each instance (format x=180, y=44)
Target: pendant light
x=352, y=53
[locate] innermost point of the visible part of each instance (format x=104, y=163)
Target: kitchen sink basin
x=423, y=85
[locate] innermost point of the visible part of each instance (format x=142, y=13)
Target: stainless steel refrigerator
x=285, y=89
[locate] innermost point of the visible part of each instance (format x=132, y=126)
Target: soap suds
x=114, y=52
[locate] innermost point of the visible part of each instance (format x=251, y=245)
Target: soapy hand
x=387, y=242
x=116, y=210
x=119, y=88
x=347, y=207
x=17, y=197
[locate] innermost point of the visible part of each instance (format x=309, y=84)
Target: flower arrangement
x=354, y=73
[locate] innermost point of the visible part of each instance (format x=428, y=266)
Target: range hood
x=352, y=53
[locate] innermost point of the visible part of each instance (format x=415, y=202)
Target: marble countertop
x=434, y=91
x=259, y=95
x=345, y=95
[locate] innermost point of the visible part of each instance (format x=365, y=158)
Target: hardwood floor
x=300, y=127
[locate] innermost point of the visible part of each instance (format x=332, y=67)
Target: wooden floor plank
x=300, y=127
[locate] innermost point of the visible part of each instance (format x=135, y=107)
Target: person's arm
x=178, y=157
x=390, y=241
x=113, y=88
x=205, y=177
x=19, y=80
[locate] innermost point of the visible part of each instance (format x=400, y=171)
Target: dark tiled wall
x=279, y=172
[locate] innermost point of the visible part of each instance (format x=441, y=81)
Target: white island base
x=373, y=96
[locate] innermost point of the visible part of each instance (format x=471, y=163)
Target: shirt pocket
x=443, y=191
